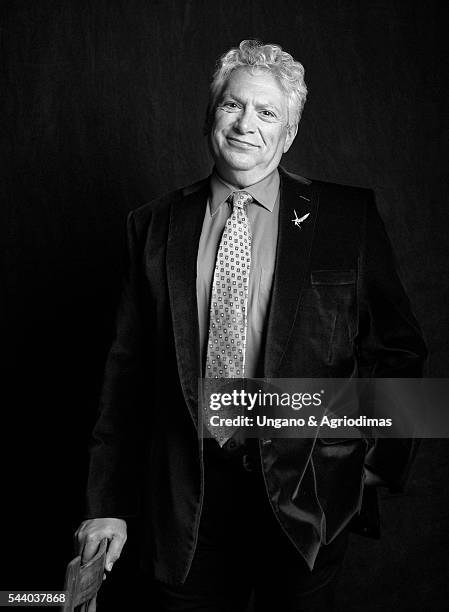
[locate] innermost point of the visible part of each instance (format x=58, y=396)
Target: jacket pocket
x=336, y=440
x=334, y=299
x=333, y=277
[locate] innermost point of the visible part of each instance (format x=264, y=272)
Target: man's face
x=249, y=133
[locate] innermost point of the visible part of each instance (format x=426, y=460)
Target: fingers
x=80, y=537
x=91, y=545
x=114, y=551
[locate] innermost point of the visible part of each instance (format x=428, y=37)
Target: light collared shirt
x=263, y=215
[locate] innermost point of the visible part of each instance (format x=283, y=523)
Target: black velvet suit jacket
x=338, y=310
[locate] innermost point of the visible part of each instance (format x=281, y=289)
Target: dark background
x=102, y=107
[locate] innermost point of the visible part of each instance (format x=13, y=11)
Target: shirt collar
x=264, y=192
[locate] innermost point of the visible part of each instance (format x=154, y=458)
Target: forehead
x=260, y=86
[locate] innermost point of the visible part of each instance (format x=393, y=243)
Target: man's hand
x=90, y=533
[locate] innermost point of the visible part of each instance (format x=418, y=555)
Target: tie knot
x=240, y=198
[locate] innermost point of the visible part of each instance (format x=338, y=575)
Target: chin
x=237, y=161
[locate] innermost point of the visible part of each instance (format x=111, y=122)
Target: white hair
x=255, y=56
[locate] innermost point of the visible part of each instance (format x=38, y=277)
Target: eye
x=229, y=104
x=269, y=114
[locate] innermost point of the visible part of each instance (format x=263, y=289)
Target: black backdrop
x=102, y=110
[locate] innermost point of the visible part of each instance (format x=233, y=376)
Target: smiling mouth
x=241, y=144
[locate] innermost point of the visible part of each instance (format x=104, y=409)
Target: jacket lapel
x=292, y=262
x=186, y=220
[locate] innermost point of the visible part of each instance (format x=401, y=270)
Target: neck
x=242, y=179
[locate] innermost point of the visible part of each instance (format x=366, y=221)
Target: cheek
x=278, y=142
x=220, y=140
x=222, y=120
x=215, y=135
x=271, y=137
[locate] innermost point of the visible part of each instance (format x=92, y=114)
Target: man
x=223, y=282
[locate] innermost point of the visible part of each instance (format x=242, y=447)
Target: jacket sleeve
x=112, y=489
x=390, y=344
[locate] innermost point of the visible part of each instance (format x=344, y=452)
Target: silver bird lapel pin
x=298, y=220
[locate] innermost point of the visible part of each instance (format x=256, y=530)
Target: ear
x=291, y=134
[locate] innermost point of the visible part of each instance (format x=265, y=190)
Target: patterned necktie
x=229, y=302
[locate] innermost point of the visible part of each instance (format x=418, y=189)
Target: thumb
x=114, y=551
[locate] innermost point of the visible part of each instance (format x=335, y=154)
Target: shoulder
x=347, y=195
x=159, y=208
x=335, y=200
x=327, y=189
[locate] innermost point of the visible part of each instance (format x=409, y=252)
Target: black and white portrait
x=196, y=192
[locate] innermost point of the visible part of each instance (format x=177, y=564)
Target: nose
x=245, y=122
